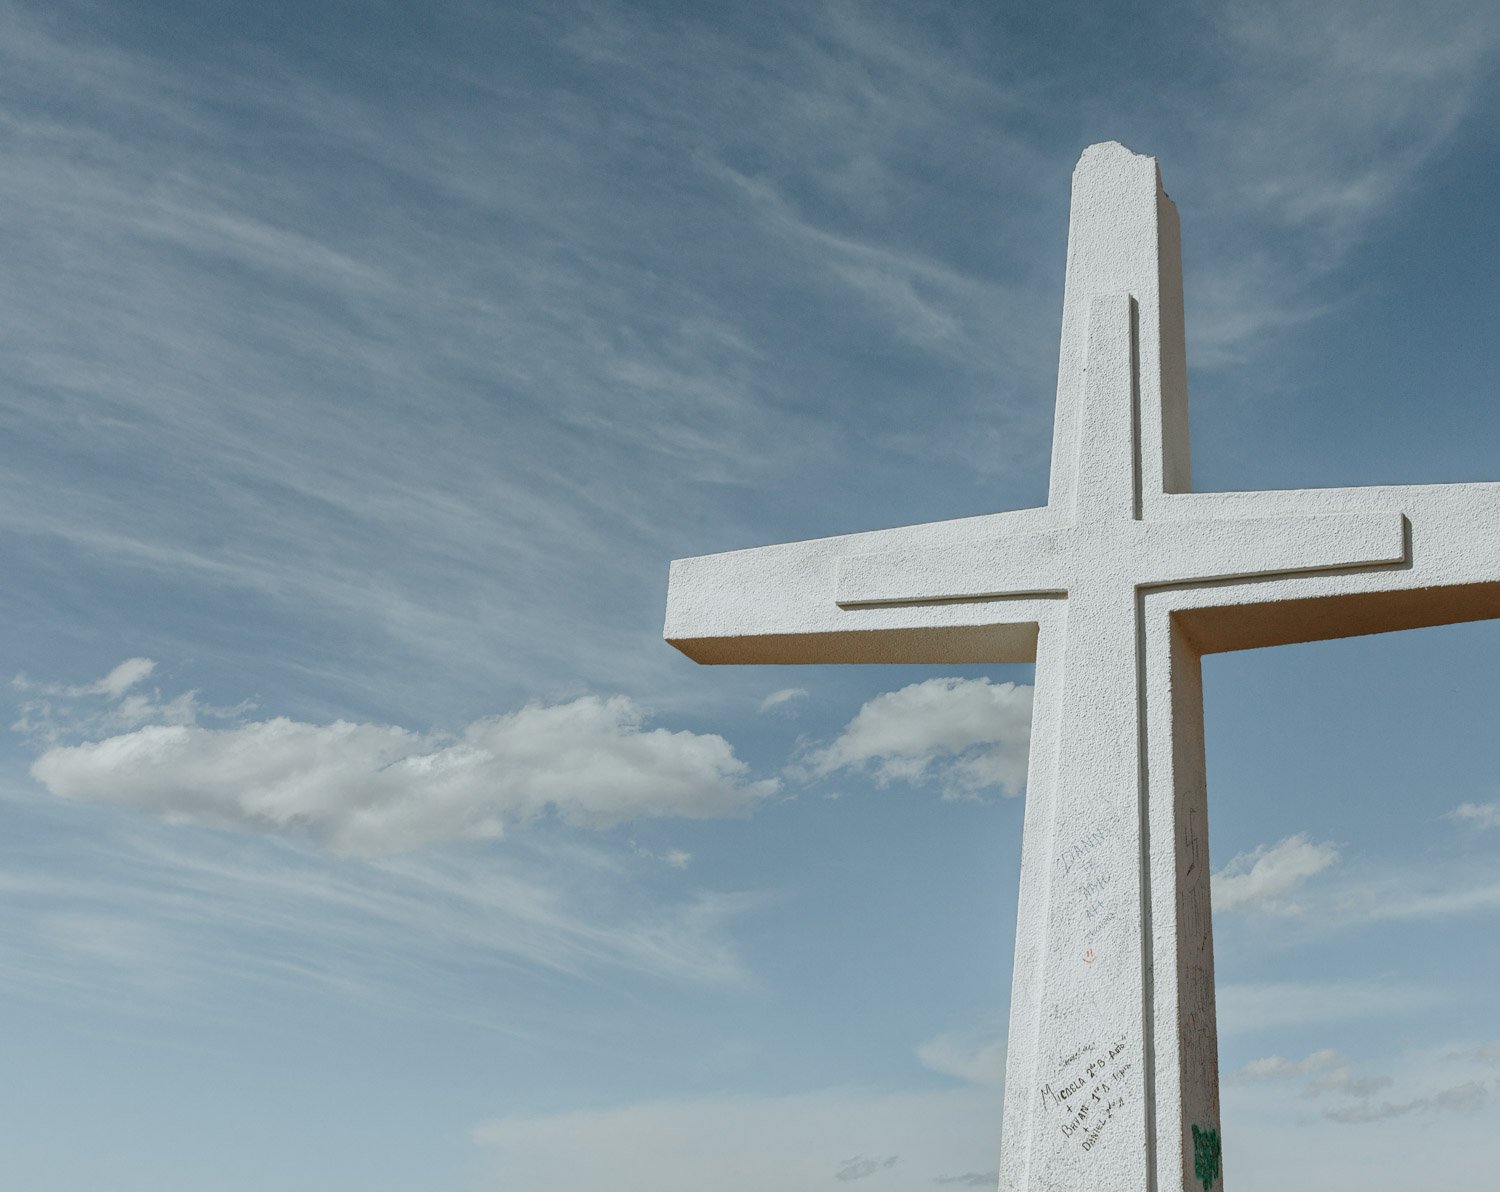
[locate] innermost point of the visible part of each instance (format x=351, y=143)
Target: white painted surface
x=1115, y=588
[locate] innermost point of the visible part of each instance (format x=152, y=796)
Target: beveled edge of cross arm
x=1454, y=529
x=1316, y=608
x=1008, y=567
x=777, y=604
x=1475, y=499
x=932, y=645
x=1452, y=574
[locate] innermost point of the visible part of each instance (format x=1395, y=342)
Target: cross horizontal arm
x=1452, y=573
x=778, y=604
x=1135, y=554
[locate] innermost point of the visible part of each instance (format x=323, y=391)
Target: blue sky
x=364, y=367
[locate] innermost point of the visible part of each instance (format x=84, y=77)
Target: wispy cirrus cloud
x=202, y=311
x=783, y=700
x=200, y=922
x=1330, y=113
x=1326, y=1069
x=1263, y=878
x=1466, y=1098
x=1464, y=890
x=1485, y=1053
x=1434, y=1118
x=1276, y=1067
x=974, y=1056
x=1477, y=815
x=1372, y=891
x=1278, y=879
x=113, y=685
x=199, y=304
x=54, y=712
x=1351, y=103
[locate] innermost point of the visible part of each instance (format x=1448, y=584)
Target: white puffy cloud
x=965, y=735
x=1259, y=879
x=1481, y=815
x=378, y=789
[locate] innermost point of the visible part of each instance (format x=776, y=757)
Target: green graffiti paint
x=1206, y=1157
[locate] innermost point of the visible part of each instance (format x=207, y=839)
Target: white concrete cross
x=1115, y=589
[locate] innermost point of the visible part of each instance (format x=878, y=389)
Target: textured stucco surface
x=1115, y=588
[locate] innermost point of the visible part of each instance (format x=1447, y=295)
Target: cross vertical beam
x=1123, y=238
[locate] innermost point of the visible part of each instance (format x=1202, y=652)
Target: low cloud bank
x=371, y=789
